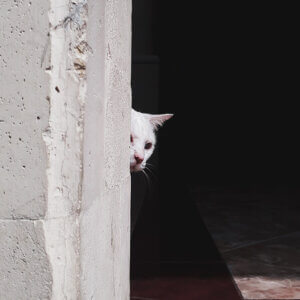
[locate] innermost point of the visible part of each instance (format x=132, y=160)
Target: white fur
x=143, y=127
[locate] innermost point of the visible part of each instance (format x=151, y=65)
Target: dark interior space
x=230, y=77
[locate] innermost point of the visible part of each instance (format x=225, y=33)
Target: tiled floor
x=258, y=234
x=186, y=281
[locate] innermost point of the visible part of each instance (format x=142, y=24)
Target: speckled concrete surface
x=65, y=103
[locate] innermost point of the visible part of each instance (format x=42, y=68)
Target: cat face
x=142, y=138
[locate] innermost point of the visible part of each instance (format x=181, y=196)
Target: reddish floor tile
x=187, y=282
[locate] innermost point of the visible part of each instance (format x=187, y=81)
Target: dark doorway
x=230, y=79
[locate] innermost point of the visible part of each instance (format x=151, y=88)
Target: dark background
x=230, y=74
x=230, y=77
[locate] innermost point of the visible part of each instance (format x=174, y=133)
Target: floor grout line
x=260, y=242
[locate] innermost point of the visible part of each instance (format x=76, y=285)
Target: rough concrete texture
x=25, y=272
x=64, y=146
x=105, y=208
x=24, y=261
x=24, y=109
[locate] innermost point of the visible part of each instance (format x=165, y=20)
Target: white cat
x=142, y=138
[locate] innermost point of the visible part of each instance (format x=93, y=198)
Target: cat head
x=142, y=138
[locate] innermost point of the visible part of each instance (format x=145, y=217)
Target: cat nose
x=138, y=158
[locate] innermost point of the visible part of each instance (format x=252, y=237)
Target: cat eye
x=131, y=139
x=148, y=146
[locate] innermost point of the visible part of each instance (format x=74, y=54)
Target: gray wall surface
x=65, y=103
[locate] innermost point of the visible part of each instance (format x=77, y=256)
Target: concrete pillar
x=65, y=103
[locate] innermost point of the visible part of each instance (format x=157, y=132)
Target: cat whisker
x=151, y=172
x=148, y=164
x=147, y=178
x=153, y=167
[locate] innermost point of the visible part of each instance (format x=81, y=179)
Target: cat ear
x=158, y=120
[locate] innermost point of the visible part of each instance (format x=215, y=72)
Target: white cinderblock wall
x=64, y=149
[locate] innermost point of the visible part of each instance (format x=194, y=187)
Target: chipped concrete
x=64, y=126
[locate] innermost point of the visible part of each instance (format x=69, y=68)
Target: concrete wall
x=64, y=126
x=106, y=197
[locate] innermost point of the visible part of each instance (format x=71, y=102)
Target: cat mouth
x=136, y=168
